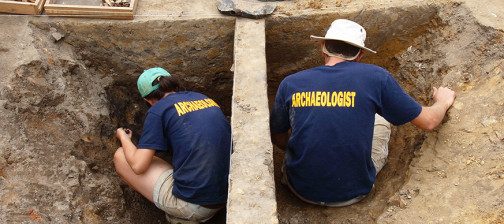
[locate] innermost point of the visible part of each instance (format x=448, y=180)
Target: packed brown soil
x=66, y=85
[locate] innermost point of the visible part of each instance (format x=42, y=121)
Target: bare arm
x=138, y=159
x=280, y=140
x=431, y=117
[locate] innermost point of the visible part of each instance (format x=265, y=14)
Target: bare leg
x=143, y=183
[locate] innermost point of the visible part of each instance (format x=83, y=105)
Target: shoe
x=176, y=220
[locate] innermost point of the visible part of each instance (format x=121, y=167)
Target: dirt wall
x=61, y=110
x=423, y=46
x=61, y=100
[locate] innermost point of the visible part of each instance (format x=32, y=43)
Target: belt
x=214, y=206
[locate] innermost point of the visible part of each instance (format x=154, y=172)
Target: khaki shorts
x=164, y=199
x=381, y=137
x=379, y=155
x=285, y=181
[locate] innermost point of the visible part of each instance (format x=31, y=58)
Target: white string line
x=354, y=5
x=219, y=14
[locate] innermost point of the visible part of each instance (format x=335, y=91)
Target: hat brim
x=323, y=38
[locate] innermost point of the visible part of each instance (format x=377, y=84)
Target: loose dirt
x=62, y=98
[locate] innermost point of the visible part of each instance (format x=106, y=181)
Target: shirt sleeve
x=397, y=106
x=152, y=134
x=279, y=119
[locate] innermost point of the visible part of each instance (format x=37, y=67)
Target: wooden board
x=27, y=8
x=99, y=12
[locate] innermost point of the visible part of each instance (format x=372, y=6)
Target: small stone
x=402, y=203
x=458, y=105
x=499, y=135
x=57, y=36
x=442, y=174
x=488, y=121
x=468, y=162
x=394, y=203
x=467, y=77
x=414, y=191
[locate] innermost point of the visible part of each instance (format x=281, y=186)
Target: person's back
x=192, y=187
x=199, y=135
x=333, y=110
x=337, y=144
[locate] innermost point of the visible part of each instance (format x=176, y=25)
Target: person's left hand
x=124, y=132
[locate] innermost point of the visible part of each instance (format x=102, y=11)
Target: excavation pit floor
x=62, y=100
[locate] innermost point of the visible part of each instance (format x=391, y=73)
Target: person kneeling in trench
x=333, y=120
x=192, y=126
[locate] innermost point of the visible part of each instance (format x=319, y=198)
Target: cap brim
x=317, y=38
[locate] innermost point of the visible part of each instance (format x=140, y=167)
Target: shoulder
x=300, y=76
x=306, y=72
x=370, y=72
x=153, y=114
x=368, y=67
x=194, y=95
x=182, y=96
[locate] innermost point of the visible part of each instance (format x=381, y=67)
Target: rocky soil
x=66, y=84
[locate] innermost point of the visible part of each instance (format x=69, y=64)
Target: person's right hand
x=444, y=95
x=123, y=132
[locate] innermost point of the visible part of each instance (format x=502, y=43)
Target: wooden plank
x=51, y=5
x=26, y=8
x=91, y=11
x=87, y=8
x=90, y=14
x=251, y=184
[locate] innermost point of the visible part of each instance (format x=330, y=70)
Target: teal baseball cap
x=145, y=80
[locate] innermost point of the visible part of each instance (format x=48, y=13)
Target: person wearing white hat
x=333, y=120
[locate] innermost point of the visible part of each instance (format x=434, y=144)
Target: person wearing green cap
x=193, y=187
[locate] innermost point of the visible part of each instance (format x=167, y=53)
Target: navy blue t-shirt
x=330, y=111
x=195, y=129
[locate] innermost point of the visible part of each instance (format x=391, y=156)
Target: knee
x=119, y=157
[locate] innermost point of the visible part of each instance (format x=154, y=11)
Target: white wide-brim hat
x=347, y=31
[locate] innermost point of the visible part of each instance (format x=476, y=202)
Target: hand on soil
x=123, y=132
x=444, y=95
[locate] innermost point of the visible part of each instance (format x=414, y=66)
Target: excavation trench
x=84, y=87
x=393, y=32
